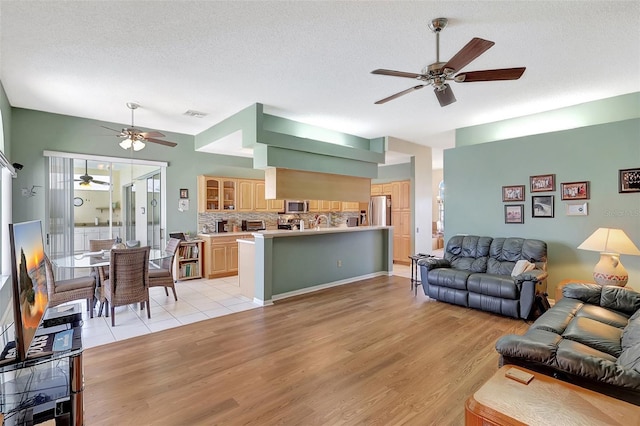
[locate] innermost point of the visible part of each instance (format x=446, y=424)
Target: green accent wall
x=299, y=261
x=474, y=176
x=617, y=108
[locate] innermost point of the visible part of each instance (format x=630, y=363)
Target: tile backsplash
x=270, y=218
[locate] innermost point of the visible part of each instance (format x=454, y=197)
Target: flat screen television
x=30, y=298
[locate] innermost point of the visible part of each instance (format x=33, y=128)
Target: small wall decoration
x=513, y=193
x=183, y=205
x=575, y=190
x=184, y=193
x=576, y=209
x=542, y=206
x=514, y=213
x=629, y=180
x=543, y=183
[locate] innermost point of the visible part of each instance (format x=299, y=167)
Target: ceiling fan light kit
x=135, y=139
x=438, y=73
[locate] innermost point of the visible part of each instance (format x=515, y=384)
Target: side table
x=414, y=270
x=544, y=401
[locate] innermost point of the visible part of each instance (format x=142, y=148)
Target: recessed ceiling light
x=197, y=114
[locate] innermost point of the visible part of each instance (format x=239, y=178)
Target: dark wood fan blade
x=397, y=95
x=99, y=182
x=468, y=53
x=445, y=96
x=152, y=134
x=393, y=73
x=490, y=75
x=161, y=142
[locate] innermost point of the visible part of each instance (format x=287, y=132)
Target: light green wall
x=300, y=261
x=617, y=108
x=32, y=132
x=474, y=176
x=5, y=107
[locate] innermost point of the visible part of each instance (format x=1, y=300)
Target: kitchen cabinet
x=350, y=206
x=221, y=255
x=336, y=206
x=216, y=194
x=260, y=203
x=276, y=205
x=400, y=192
x=246, y=189
x=82, y=235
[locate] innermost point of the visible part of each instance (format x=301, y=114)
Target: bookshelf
x=188, y=264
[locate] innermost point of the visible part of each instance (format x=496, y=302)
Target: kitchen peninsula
x=287, y=263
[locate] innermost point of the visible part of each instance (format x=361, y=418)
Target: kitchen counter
x=288, y=263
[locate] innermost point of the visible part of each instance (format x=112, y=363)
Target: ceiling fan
x=86, y=179
x=133, y=138
x=438, y=73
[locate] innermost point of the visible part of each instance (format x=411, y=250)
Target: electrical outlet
x=339, y=263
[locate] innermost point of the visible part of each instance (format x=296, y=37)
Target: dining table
x=102, y=259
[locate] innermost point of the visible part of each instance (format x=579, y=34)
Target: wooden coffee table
x=544, y=401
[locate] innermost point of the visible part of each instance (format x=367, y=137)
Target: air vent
x=197, y=114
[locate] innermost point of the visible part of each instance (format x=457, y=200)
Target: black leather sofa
x=590, y=337
x=476, y=272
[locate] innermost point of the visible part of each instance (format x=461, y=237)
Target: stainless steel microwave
x=296, y=206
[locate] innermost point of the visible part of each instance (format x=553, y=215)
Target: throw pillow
x=522, y=266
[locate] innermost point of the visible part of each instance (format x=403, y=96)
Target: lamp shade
x=609, y=240
x=610, y=243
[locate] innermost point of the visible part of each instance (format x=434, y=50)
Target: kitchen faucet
x=320, y=216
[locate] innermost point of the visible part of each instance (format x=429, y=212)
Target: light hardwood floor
x=364, y=353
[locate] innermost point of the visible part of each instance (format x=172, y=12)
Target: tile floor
x=197, y=300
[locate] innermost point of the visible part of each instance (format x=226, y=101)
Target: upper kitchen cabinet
x=216, y=194
x=247, y=201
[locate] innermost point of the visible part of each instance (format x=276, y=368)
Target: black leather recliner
x=476, y=272
x=590, y=337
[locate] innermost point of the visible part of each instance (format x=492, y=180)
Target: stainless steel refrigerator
x=380, y=210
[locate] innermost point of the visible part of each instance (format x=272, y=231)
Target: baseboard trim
x=263, y=302
x=329, y=285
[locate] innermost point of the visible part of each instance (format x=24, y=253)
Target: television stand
x=46, y=387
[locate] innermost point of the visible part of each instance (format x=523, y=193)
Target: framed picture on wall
x=542, y=206
x=543, y=183
x=184, y=193
x=575, y=190
x=514, y=213
x=576, y=209
x=513, y=193
x=629, y=180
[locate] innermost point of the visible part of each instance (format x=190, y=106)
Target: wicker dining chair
x=163, y=276
x=62, y=291
x=128, y=281
x=100, y=273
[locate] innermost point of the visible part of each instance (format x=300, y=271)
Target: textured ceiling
x=310, y=61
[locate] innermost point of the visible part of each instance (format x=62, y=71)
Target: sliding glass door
x=93, y=197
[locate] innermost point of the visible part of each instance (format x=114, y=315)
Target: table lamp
x=611, y=243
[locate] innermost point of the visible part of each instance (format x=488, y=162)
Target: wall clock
x=77, y=201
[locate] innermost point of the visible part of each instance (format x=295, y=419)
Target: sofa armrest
x=535, y=276
x=536, y=346
x=433, y=262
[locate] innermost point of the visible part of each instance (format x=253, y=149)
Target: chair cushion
x=501, y=286
x=450, y=278
x=75, y=283
x=159, y=273
x=594, y=334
